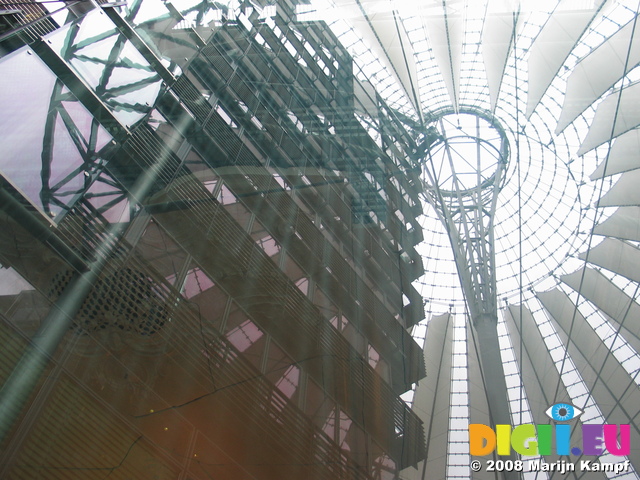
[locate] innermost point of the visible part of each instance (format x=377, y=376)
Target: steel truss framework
x=467, y=207
x=463, y=173
x=116, y=68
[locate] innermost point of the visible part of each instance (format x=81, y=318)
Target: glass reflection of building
x=206, y=259
x=224, y=223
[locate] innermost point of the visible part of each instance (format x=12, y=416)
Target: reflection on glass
x=12, y=283
x=196, y=283
x=51, y=145
x=288, y=383
x=244, y=335
x=109, y=199
x=110, y=64
x=172, y=39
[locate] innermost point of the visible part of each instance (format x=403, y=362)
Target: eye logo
x=596, y=438
x=563, y=412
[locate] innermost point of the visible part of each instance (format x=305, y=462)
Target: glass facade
x=249, y=239
x=196, y=225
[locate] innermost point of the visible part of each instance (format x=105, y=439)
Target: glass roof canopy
x=529, y=64
x=561, y=77
x=466, y=54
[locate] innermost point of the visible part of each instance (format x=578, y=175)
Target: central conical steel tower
x=464, y=168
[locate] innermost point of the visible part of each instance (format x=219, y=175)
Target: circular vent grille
x=125, y=300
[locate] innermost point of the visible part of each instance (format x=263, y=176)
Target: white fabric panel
x=609, y=299
x=537, y=368
x=496, y=45
x=598, y=72
x=431, y=400
x=445, y=35
x=623, y=156
x=612, y=388
x=365, y=98
x=616, y=256
x=624, y=192
x=478, y=407
x=379, y=32
x=398, y=48
x=538, y=371
x=625, y=224
x=568, y=319
x=550, y=49
x=626, y=117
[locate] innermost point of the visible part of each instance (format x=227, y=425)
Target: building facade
x=207, y=247
x=230, y=230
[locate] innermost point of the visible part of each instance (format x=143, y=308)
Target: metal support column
x=463, y=174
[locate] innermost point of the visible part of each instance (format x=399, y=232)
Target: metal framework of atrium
x=463, y=173
x=560, y=78
x=252, y=167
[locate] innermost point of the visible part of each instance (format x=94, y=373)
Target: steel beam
x=101, y=112
x=39, y=229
